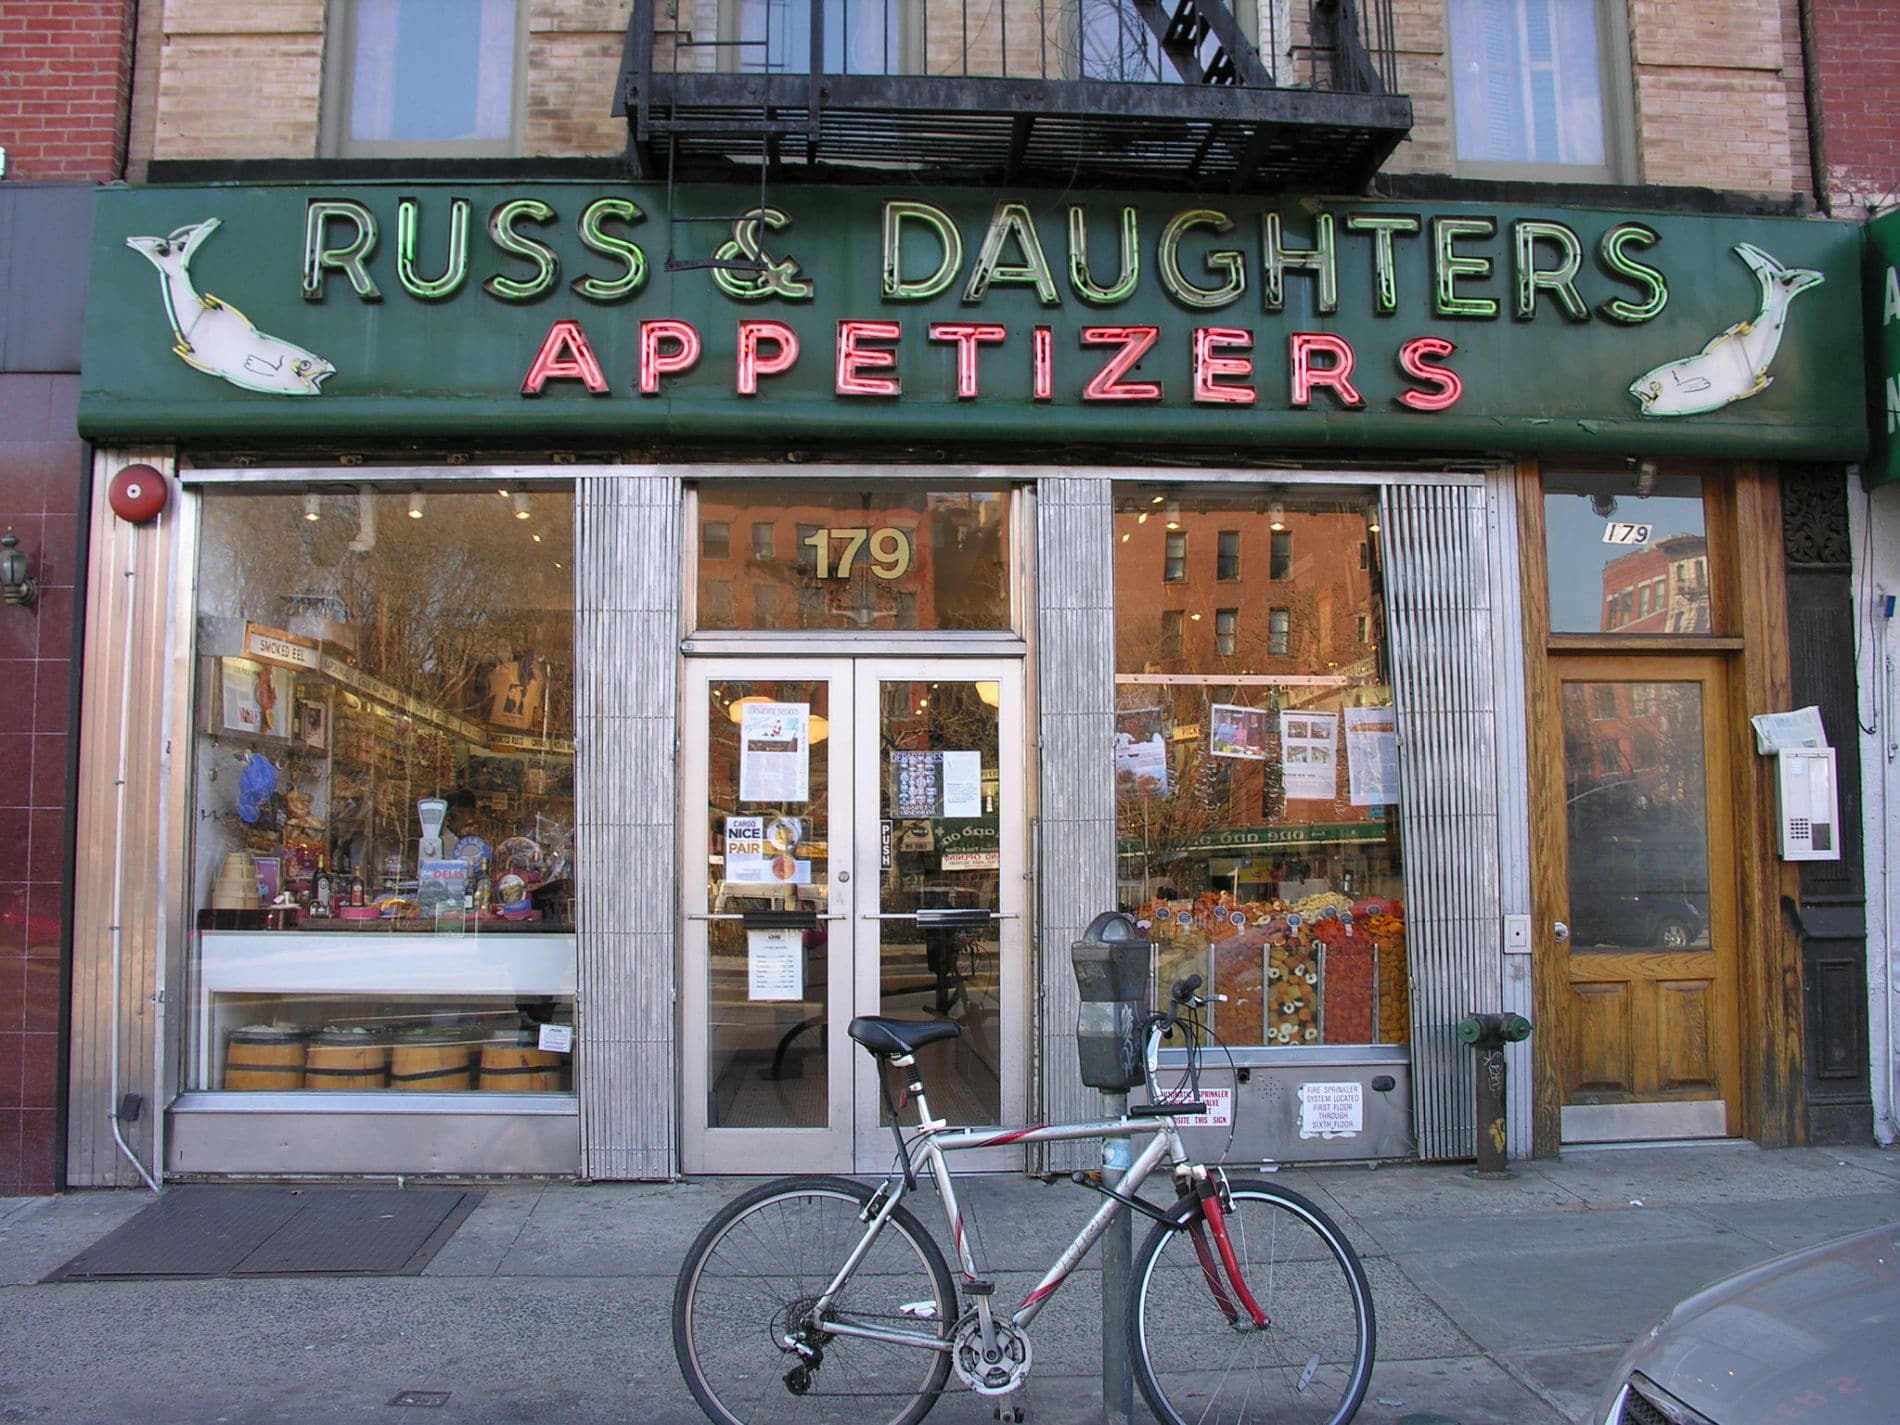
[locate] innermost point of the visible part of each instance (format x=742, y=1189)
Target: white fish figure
x=216, y=337
x=1734, y=365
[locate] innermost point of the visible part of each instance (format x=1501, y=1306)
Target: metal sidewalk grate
x=277, y=1231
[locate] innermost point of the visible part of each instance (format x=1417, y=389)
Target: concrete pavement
x=1499, y=1303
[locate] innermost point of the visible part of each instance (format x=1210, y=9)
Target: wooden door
x=1646, y=900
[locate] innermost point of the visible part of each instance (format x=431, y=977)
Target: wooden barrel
x=432, y=1060
x=341, y=1059
x=511, y=1063
x=264, y=1059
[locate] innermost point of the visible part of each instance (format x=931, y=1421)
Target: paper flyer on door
x=775, y=752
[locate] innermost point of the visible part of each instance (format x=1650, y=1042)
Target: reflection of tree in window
x=716, y=608
x=1604, y=698
x=768, y=600
x=1172, y=626
x=1279, y=626
x=1226, y=622
x=1280, y=564
x=1227, y=557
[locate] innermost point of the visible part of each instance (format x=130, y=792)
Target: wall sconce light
x=523, y=509
x=19, y=586
x=415, y=504
x=1276, y=517
x=313, y=507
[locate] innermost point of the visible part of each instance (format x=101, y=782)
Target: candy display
x=1320, y=970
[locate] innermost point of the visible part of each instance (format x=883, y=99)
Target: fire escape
x=1079, y=93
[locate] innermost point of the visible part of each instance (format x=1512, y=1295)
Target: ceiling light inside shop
x=1157, y=499
x=536, y=538
x=736, y=708
x=523, y=509
x=415, y=504
x=992, y=693
x=313, y=506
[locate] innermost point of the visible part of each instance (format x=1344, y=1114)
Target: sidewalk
x=1499, y=1303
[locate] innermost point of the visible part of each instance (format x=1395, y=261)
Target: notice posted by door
x=1335, y=1110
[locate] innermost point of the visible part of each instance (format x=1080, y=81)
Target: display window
x=783, y=555
x=1256, y=764
x=382, y=855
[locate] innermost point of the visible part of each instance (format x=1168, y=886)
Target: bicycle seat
x=894, y=1038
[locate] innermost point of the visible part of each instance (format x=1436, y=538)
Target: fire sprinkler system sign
x=549, y=311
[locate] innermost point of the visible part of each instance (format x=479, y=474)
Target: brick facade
x=1857, y=56
x=63, y=121
x=67, y=74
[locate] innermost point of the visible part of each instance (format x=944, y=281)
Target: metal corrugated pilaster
x=1075, y=687
x=1443, y=636
x=626, y=631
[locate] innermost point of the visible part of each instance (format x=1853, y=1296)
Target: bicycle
x=824, y=1298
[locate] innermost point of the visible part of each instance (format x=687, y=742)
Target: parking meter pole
x=1118, y=1376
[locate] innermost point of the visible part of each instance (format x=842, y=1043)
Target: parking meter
x=1112, y=970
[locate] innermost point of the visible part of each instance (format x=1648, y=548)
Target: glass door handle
x=1559, y=932
x=753, y=916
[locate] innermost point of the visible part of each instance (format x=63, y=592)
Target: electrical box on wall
x=1808, y=804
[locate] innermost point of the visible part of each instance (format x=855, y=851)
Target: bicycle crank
x=995, y=1373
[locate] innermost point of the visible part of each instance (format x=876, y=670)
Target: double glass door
x=852, y=843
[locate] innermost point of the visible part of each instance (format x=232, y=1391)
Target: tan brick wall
x=238, y=96
x=1714, y=128
x=1717, y=84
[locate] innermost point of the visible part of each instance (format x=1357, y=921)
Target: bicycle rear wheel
x=748, y=1285
x=1308, y=1366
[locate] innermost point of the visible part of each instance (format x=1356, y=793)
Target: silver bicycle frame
x=934, y=1140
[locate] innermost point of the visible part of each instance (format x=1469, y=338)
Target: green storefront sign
x=1250, y=838
x=1883, y=347
x=564, y=313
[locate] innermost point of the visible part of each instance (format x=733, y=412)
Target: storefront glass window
x=836, y=558
x=1627, y=553
x=382, y=860
x=1256, y=767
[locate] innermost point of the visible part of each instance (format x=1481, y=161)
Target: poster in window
x=1372, y=756
x=1238, y=732
x=255, y=696
x=1309, y=754
x=775, y=752
x=937, y=784
x=515, y=689
x=1141, y=752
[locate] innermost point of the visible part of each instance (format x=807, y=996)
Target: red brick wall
x=39, y=501
x=65, y=86
x=1857, y=55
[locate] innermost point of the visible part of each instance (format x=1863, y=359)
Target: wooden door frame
x=1748, y=579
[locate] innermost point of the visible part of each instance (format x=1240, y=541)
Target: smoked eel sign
x=565, y=313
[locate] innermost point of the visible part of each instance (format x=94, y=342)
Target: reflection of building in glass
x=1661, y=588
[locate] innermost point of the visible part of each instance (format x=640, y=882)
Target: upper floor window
x=421, y=78
x=1534, y=90
x=1227, y=555
x=1174, y=558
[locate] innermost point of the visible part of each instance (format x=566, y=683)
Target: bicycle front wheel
x=1308, y=1366
x=744, y=1328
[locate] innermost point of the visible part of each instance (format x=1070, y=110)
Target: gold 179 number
x=890, y=551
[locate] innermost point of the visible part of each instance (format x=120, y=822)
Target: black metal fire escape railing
x=1173, y=93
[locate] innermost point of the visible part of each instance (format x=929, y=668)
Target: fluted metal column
x=626, y=635
x=1439, y=610
x=1075, y=587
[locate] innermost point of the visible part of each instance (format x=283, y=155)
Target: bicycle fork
x=1217, y=1258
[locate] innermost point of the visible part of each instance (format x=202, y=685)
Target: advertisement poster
x=1309, y=753
x=938, y=784
x=255, y=698
x=759, y=852
x=1372, y=756
x=775, y=964
x=775, y=752
x=1238, y=732
x=1141, y=752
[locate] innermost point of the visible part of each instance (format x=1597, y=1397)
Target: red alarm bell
x=138, y=493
